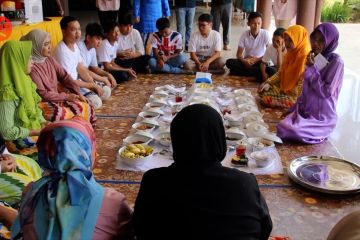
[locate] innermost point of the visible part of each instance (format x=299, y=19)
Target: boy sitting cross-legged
x=167, y=47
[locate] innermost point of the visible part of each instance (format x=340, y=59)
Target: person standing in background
x=146, y=12
x=52, y=8
x=221, y=11
x=107, y=10
x=284, y=11
x=185, y=13
x=125, y=7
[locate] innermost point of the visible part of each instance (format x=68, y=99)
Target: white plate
x=143, y=133
x=160, y=93
x=133, y=161
x=162, y=138
x=149, y=115
x=155, y=110
x=149, y=127
x=134, y=139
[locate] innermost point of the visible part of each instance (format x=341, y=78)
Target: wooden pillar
x=319, y=4
x=264, y=7
x=306, y=14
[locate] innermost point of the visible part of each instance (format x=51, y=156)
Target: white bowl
x=164, y=138
x=149, y=115
x=152, y=122
x=256, y=129
x=237, y=123
x=158, y=102
x=242, y=92
x=134, y=161
x=154, y=97
x=144, y=133
x=253, y=117
x=247, y=107
x=155, y=110
x=142, y=126
x=154, y=105
x=233, y=135
x=160, y=93
x=244, y=99
x=258, y=144
x=262, y=158
x=136, y=139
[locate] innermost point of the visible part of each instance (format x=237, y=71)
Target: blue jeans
x=185, y=18
x=171, y=66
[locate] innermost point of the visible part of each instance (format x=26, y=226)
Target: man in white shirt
x=107, y=51
x=67, y=53
x=205, y=48
x=130, y=51
x=253, y=42
x=273, y=56
x=93, y=39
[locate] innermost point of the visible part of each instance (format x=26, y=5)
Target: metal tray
x=326, y=174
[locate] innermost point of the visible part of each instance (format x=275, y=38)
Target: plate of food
x=137, y=139
x=135, y=154
x=326, y=174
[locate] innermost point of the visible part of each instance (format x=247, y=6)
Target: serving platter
x=326, y=174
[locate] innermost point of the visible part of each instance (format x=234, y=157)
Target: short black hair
x=279, y=32
x=66, y=20
x=126, y=19
x=109, y=26
x=162, y=23
x=205, y=17
x=253, y=15
x=94, y=29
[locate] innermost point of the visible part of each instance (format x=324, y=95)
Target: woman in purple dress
x=313, y=117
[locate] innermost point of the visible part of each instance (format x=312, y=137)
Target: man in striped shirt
x=167, y=49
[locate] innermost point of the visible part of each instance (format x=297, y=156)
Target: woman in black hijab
x=196, y=197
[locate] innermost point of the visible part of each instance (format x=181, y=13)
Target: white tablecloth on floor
x=159, y=160
x=163, y=161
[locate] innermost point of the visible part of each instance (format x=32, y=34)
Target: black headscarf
x=196, y=197
x=198, y=136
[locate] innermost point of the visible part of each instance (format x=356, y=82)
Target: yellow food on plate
x=136, y=151
x=205, y=85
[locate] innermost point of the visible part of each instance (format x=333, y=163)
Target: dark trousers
x=137, y=64
x=271, y=70
x=120, y=76
x=125, y=7
x=238, y=68
x=222, y=14
x=107, y=16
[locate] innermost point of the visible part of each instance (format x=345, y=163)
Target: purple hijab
x=314, y=117
x=331, y=36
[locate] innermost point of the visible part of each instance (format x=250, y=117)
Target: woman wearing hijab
x=47, y=75
x=283, y=88
x=314, y=116
x=67, y=202
x=16, y=172
x=196, y=197
x=20, y=116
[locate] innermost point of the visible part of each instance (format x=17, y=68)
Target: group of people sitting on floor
x=54, y=96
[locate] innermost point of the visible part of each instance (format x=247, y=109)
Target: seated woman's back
x=197, y=198
x=67, y=202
